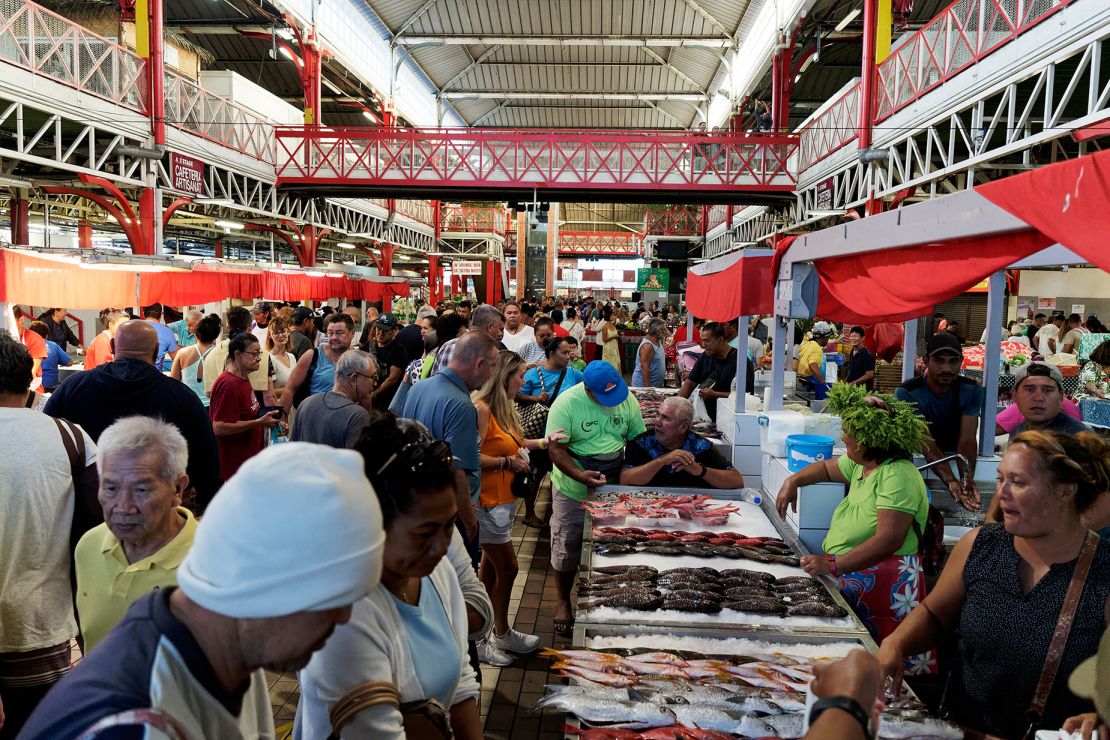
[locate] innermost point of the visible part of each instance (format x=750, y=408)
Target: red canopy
x=41, y=281
x=741, y=287
x=1065, y=203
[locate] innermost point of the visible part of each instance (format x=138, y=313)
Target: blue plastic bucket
x=803, y=449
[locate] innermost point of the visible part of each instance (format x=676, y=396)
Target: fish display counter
x=705, y=686
x=715, y=559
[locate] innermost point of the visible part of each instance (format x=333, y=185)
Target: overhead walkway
x=484, y=164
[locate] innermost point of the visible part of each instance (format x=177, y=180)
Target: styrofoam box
x=815, y=503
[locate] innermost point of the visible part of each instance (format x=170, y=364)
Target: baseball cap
x=386, y=321
x=302, y=314
x=944, y=341
x=605, y=383
x=426, y=312
x=822, y=328
x=1043, y=370
x=1089, y=682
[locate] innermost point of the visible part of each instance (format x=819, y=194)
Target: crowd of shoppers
x=373, y=550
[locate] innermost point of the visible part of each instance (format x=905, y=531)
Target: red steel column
x=867, y=73
x=20, y=221
x=156, y=69
x=387, y=269
x=84, y=234
x=491, y=282
x=786, y=82
x=776, y=85
x=147, y=220
x=435, y=281
x=310, y=78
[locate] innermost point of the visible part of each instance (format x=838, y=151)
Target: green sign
x=657, y=279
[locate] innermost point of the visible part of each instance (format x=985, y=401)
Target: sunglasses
x=415, y=456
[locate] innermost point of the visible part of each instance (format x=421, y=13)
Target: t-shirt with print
x=233, y=400
x=540, y=379
x=1046, y=332
x=389, y=356
x=895, y=485
x=592, y=429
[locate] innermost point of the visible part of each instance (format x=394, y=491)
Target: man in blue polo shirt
x=167, y=341
x=442, y=404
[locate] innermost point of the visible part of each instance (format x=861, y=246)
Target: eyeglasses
x=370, y=377
x=254, y=354
x=417, y=455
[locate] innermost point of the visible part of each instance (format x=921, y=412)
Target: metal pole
x=909, y=349
x=741, y=364
x=780, y=352
x=996, y=302
x=46, y=225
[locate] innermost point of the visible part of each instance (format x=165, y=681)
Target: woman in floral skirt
x=873, y=541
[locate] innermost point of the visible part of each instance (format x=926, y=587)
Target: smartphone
x=267, y=409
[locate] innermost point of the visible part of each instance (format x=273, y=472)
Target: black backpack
x=930, y=543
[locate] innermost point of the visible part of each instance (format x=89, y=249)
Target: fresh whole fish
x=692, y=594
x=784, y=726
x=627, y=714
x=702, y=572
x=754, y=604
x=703, y=716
x=694, y=584
x=754, y=575
x=930, y=728
x=610, y=593
x=624, y=570
x=613, y=539
x=815, y=609
x=701, y=606
x=629, y=600
x=615, y=549
x=664, y=549
x=787, y=580
x=602, y=678
x=746, y=592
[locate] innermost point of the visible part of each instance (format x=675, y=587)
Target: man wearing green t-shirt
x=598, y=416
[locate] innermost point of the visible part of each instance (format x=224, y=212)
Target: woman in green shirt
x=872, y=545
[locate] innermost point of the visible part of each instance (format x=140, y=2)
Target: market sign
x=657, y=279
x=466, y=267
x=187, y=174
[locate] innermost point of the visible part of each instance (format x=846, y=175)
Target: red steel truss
x=961, y=35
x=673, y=222
x=493, y=163
x=601, y=243
x=472, y=219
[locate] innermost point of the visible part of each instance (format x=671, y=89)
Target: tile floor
x=508, y=694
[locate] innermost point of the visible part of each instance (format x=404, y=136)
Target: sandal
x=564, y=627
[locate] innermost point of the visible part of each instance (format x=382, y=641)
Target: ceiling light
x=14, y=182
x=214, y=201
x=288, y=54
x=285, y=33
x=345, y=245
x=370, y=116
x=825, y=213
x=229, y=225
x=797, y=77
x=847, y=19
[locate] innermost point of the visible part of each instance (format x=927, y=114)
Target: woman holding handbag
x=1026, y=597
x=505, y=465
x=543, y=383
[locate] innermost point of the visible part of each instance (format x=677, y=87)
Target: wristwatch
x=847, y=704
x=703, y=471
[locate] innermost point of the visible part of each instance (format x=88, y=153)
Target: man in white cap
x=292, y=541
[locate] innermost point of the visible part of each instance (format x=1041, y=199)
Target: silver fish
x=707, y=717
x=629, y=714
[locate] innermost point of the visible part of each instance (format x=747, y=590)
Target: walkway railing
x=673, y=222
x=47, y=44
x=613, y=243
x=964, y=33
x=472, y=219
x=473, y=159
x=192, y=108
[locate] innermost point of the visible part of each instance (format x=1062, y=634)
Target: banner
x=466, y=267
x=657, y=279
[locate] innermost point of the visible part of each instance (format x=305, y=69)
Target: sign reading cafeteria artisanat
x=466, y=267
x=187, y=174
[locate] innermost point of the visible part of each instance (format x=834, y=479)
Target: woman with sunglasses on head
x=234, y=406
x=411, y=631
x=502, y=459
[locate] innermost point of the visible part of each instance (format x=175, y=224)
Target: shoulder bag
x=87, y=512
x=524, y=482
x=1059, y=641
x=533, y=416
x=152, y=719
x=422, y=719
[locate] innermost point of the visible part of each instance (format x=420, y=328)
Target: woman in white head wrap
x=412, y=630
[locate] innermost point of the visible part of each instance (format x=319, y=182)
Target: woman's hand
x=542, y=398
x=788, y=497
x=892, y=663
x=559, y=435
x=1088, y=725
x=517, y=464
x=815, y=565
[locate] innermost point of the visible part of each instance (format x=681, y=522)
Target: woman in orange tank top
x=502, y=457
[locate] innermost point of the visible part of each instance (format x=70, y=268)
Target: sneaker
x=489, y=654
x=515, y=642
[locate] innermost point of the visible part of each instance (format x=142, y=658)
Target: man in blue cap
x=598, y=416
